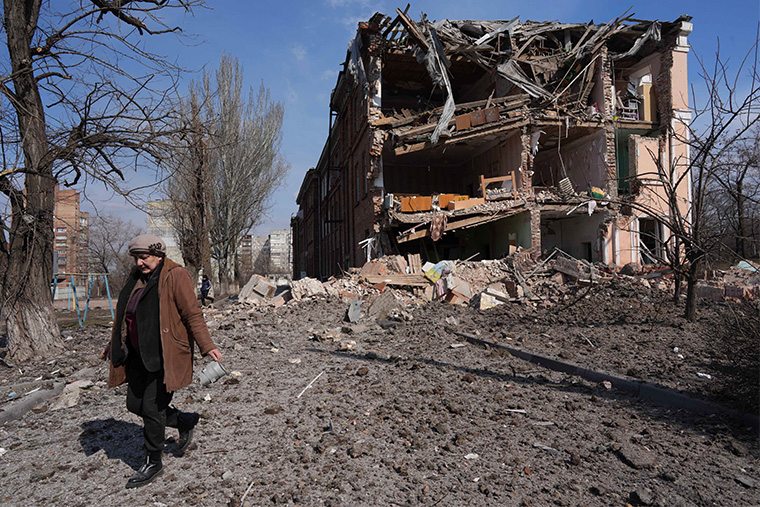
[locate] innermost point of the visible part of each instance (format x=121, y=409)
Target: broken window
x=623, y=158
x=650, y=241
x=636, y=98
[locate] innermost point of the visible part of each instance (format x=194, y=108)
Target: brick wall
x=526, y=162
x=609, y=125
x=535, y=233
x=663, y=86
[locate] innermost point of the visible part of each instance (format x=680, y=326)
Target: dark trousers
x=147, y=397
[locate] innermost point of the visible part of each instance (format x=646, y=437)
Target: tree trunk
x=227, y=276
x=678, y=278
x=190, y=210
x=691, y=294
x=33, y=332
x=26, y=298
x=28, y=303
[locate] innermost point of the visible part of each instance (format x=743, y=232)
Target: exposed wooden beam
x=467, y=222
x=503, y=127
x=394, y=279
x=411, y=27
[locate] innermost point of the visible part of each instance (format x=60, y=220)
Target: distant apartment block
x=71, y=227
x=159, y=225
x=245, y=258
x=281, y=250
x=269, y=254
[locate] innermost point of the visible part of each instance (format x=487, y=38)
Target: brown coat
x=182, y=325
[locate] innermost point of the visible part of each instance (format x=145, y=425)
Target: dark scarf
x=148, y=322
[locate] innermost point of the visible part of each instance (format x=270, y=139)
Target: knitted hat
x=147, y=244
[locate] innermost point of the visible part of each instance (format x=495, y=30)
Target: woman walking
x=158, y=322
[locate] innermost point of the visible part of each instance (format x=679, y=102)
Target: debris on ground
x=489, y=283
x=315, y=400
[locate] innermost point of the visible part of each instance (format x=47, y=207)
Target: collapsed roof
x=547, y=67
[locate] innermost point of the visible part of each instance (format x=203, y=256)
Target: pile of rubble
x=479, y=284
x=739, y=282
x=484, y=284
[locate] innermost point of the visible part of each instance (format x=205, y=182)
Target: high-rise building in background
x=271, y=254
x=71, y=226
x=280, y=250
x=244, y=258
x=158, y=225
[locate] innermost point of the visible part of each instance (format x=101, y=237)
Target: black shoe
x=149, y=471
x=186, y=426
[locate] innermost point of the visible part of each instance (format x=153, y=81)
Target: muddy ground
x=397, y=416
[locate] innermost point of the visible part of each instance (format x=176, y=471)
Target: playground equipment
x=72, y=291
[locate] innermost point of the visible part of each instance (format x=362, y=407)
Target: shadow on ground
x=119, y=439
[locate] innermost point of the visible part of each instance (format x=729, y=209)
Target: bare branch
x=101, y=117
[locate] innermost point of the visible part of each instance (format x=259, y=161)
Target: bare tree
x=246, y=159
x=232, y=168
x=188, y=184
x=733, y=200
x=727, y=115
x=107, y=248
x=77, y=112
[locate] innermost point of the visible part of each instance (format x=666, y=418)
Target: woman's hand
x=215, y=355
x=106, y=352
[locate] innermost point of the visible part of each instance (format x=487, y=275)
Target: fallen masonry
x=488, y=283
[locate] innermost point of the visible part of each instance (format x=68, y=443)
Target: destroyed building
x=459, y=139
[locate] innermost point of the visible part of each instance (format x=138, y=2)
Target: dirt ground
x=401, y=411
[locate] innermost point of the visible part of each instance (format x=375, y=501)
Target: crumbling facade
x=461, y=139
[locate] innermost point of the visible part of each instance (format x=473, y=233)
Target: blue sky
x=296, y=49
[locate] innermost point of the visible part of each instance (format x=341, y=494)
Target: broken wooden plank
x=580, y=42
x=524, y=46
x=466, y=203
x=500, y=296
x=503, y=28
x=415, y=235
x=507, y=103
x=467, y=222
x=411, y=148
x=414, y=33
x=418, y=280
x=390, y=27
x=415, y=264
x=488, y=129
x=567, y=267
